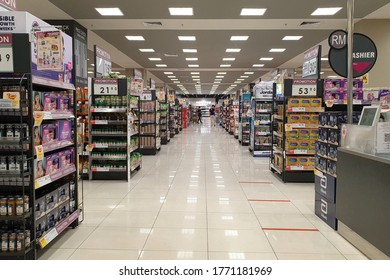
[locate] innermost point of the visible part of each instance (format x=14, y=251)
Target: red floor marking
x=292, y=229
x=269, y=200
x=265, y=183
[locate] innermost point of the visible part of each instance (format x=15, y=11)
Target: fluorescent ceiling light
x=240, y=79
x=191, y=58
x=181, y=11
x=233, y=50
x=176, y=82
x=237, y=82
x=172, y=77
x=332, y=76
x=193, y=65
x=109, y=11
x=233, y=85
x=324, y=58
x=220, y=76
x=228, y=59
x=244, y=77
x=154, y=59
x=218, y=80
x=277, y=50
x=135, y=38
x=292, y=38
x=252, y=12
x=258, y=65
x=221, y=73
x=225, y=65
x=266, y=58
x=187, y=38
x=190, y=50
x=326, y=11
x=161, y=65
x=239, y=38
x=168, y=73
x=146, y=50
x=194, y=73
x=249, y=73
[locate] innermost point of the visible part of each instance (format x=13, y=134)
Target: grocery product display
x=244, y=119
x=82, y=99
x=295, y=131
x=164, y=123
x=133, y=133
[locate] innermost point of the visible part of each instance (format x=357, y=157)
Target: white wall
x=379, y=31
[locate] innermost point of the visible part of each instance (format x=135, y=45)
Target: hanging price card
x=105, y=86
x=39, y=152
x=304, y=88
x=6, y=54
x=38, y=117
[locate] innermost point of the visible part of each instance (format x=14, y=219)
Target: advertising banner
x=49, y=50
x=311, y=64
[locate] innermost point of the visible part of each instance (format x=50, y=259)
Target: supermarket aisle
x=202, y=197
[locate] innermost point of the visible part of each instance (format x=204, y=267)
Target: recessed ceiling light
x=196, y=80
x=233, y=85
x=218, y=80
x=161, y=65
x=244, y=77
x=190, y=50
x=225, y=65
x=277, y=50
x=181, y=11
x=233, y=50
x=109, y=11
x=249, y=73
x=154, y=59
x=220, y=76
x=195, y=77
x=135, y=38
x=258, y=65
x=172, y=77
x=146, y=50
x=193, y=65
x=176, y=82
x=240, y=79
x=191, y=58
x=187, y=38
x=292, y=38
x=237, y=82
x=221, y=73
x=266, y=58
x=239, y=38
x=194, y=73
x=326, y=11
x=252, y=12
x=168, y=73
x=228, y=59
x=324, y=58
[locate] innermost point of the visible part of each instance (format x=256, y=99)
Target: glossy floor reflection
x=202, y=197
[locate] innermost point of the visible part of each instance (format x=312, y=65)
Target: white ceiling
x=213, y=23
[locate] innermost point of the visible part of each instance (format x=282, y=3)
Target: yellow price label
x=38, y=118
x=257, y=122
x=89, y=147
x=39, y=152
x=36, y=184
x=43, y=242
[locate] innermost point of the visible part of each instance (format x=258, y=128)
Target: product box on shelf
x=294, y=118
x=64, y=102
x=325, y=185
x=50, y=102
x=331, y=167
x=316, y=102
x=294, y=102
x=40, y=226
x=63, y=193
x=314, y=133
x=321, y=149
x=38, y=101
x=40, y=207
x=49, y=132
x=292, y=161
x=52, y=218
x=323, y=134
x=304, y=144
x=320, y=163
x=63, y=210
x=306, y=119
x=294, y=133
x=280, y=127
x=65, y=130
x=51, y=200
x=323, y=119
x=278, y=161
x=312, y=144
x=333, y=136
x=306, y=102
x=326, y=210
x=332, y=151
x=40, y=168
x=304, y=161
x=66, y=158
x=314, y=119
x=37, y=136
x=52, y=163
x=292, y=144
x=280, y=110
x=304, y=133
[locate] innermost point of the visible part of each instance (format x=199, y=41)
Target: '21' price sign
x=6, y=54
x=304, y=88
x=105, y=86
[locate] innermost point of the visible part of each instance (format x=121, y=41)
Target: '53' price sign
x=304, y=88
x=6, y=54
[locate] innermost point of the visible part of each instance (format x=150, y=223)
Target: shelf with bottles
x=135, y=162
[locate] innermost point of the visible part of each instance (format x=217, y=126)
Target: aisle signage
x=146, y=95
x=311, y=65
x=304, y=88
x=105, y=86
x=6, y=54
x=365, y=53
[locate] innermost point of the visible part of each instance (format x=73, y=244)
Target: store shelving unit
x=261, y=132
x=149, y=116
x=172, y=120
x=82, y=99
x=179, y=119
x=164, y=123
x=108, y=130
x=38, y=163
x=295, y=130
x=244, y=120
x=133, y=135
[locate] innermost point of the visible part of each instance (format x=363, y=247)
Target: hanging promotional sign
x=6, y=54
x=9, y=5
x=49, y=50
x=311, y=65
x=102, y=62
x=137, y=74
x=136, y=87
x=365, y=53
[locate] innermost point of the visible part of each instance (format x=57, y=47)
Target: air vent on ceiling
x=171, y=54
x=305, y=23
x=152, y=23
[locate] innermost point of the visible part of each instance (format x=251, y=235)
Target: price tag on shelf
x=38, y=118
x=48, y=238
x=6, y=54
x=296, y=152
x=318, y=173
x=304, y=88
x=89, y=147
x=257, y=122
x=105, y=86
x=42, y=181
x=99, y=122
x=39, y=152
x=298, y=109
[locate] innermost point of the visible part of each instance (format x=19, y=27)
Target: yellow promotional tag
x=39, y=152
x=257, y=122
x=43, y=242
x=36, y=185
x=38, y=117
x=89, y=147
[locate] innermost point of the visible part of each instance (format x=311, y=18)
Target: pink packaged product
x=64, y=102
x=49, y=133
x=64, y=130
x=66, y=158
x=333, y=85
x=50, y=101
x=40, y=168
x=52, y=163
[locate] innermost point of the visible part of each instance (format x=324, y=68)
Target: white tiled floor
x=202, y=197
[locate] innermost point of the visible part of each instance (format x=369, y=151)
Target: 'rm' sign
x=338, y=39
